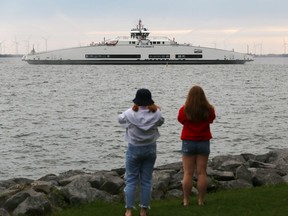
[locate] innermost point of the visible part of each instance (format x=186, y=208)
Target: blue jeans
x=140, y=162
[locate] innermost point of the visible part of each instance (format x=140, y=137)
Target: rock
x=67, y=180
x=15, y=200
x=70, y=173
x=218, y=161
x=230, y=165
x=176, y=181
x=112, y=184
x=42, y=186
x=248, y=156
x=262, y=176
x=285, y=178
x=220, y=175
x=120, y=171
x=173, y=166
x=34, y=206
x=258, y=164
x=280, y=159
x=54, y=179
x=237, y=184
x=263, y=157
x=161, y=180
x=212, y=184
x=243, y=173
x=3, y=212
x=96, y=180
x=80, y=191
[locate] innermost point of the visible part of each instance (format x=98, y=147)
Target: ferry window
x=188, y=56
x=154, y=42
x=112, y=56
x=159, y=56
x=163, y=42
x=158, y=42
x=125, y=56
x=197, y=51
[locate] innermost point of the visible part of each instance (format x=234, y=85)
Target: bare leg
x=187, y=184
x=143, y=212
x=128, y=212
x=201, y=163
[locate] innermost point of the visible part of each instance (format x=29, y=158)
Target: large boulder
x=226, y=162
x=242, y=172
x=279, y=158
x=15, y=200
x=80, y=191
x=261, y=176
x=220, y=175
x=161, y=181
x=34, y=206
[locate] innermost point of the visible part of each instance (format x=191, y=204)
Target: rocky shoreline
x=51, y=192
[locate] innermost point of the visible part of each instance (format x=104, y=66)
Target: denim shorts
x=194, y=147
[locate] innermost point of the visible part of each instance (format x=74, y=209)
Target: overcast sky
x=260, y=26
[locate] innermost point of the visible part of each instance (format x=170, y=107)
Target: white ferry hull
x=139, y=48
x=133, y=62
x=103, y=54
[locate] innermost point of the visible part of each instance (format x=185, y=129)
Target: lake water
x=57, y=118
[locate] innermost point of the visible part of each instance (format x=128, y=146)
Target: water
x=57, y=118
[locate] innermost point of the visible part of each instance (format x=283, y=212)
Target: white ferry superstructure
x=139, y=48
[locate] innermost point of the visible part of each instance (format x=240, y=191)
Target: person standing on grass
x=195, y=115
x=141, y=123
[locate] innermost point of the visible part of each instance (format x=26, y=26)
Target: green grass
x=259, y=201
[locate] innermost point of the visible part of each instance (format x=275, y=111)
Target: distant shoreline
x=10, y=56
x=270, y=55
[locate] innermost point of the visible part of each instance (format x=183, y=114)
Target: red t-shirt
x=195, y=130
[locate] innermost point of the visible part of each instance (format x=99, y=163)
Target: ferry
x=138, y=49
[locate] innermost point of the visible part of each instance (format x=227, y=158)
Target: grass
x=259, y=201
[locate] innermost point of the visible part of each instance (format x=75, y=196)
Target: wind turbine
x=284, y=45
x=28, y=45
x=16, y=46
x=46, y=39
x=256, y=48
x=2, y=42
x=261, y=44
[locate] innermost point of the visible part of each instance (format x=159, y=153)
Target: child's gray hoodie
x=141, y=126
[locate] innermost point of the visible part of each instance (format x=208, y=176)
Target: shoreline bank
x=41, y=196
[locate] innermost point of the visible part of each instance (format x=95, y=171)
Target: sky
x=254, y=26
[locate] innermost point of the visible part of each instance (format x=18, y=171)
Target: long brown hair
x=197, y=107
x=152, y=108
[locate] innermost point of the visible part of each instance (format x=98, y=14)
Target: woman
x=196, y=116
x=141, y=123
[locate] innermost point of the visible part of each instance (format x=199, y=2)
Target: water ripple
x=57, y=118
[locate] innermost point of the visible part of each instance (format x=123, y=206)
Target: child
x=141, y=123
x=196, y=116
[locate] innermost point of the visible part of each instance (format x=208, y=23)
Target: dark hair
x=197, y=107
x=152, y=108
